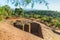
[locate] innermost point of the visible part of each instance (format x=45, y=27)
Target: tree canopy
x=26, y=2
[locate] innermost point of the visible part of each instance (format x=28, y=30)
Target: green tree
x=6, y=11
x=19, y=12
x=36, y=16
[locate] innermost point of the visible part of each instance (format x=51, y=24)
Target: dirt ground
x=8, y=32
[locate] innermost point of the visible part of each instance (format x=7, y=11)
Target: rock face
x=9, y=32
x=48, y=34
x=32, y=27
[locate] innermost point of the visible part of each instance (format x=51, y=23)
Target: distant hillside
x=45, y=12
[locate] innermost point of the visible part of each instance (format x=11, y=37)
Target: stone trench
x=32, y=27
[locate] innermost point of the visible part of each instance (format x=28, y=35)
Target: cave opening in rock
x=26, y=27
x=18, y=25
x=36, y=29
x=33, y=27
